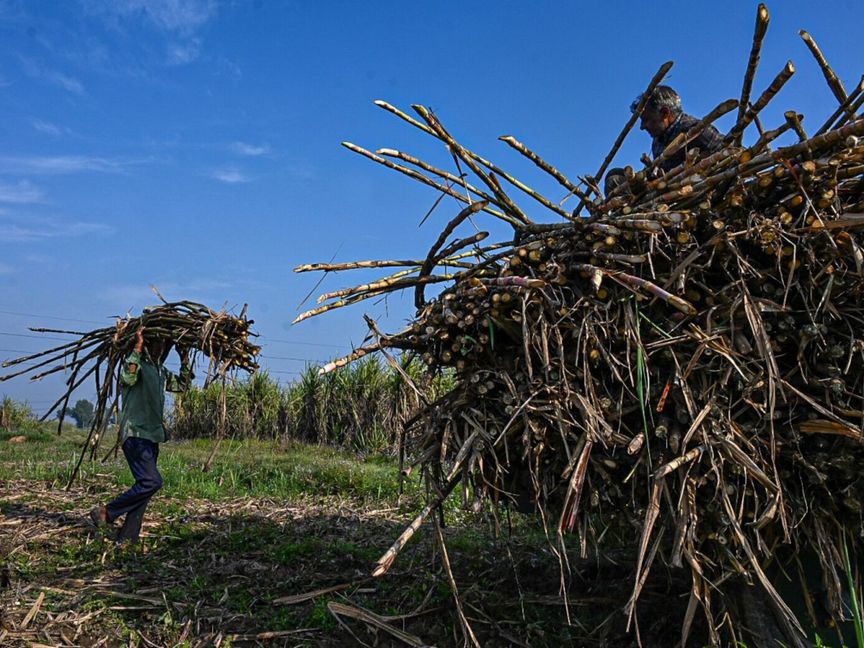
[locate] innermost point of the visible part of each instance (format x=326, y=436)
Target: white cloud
x=177, y=23
x=208, y=291
x=38, y=259
x=250, y=149
x=301, y=172
x=43, y=229
x=183, y=54
x=178, y=16
x=46, y=127
x=222, y=66
x=21, y=192
x=57, y=164
x=230, y=176
x=68, y=83
x=55, y=77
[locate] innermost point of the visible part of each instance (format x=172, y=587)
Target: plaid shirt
x=709, y=141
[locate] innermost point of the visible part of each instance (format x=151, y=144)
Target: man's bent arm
x=181, y=382
x=129, y=371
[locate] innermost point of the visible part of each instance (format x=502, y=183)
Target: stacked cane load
x=680, y=369
x=223, y=338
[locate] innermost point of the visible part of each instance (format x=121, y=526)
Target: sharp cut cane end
x=383, y=565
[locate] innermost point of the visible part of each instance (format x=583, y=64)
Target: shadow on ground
x=235, y=573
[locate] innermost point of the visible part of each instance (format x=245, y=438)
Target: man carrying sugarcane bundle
x=664, y=120
x=144, y=382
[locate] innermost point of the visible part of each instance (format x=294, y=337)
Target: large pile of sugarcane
x=219, y=336
x=678, y=369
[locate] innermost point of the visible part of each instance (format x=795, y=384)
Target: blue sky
x=195, y=144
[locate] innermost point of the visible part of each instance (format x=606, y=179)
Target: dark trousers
x=141, y=455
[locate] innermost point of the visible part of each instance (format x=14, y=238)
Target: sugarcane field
x=604, y=393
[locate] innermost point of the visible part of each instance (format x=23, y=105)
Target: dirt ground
x=280, y=573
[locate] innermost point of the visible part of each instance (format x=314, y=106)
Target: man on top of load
x=664, y=120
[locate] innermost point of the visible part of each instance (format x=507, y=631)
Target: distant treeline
x=17, y=417
x=361, y=406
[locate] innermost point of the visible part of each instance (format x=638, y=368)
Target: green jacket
x=143, y=394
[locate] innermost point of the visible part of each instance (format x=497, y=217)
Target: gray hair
x=662, y=97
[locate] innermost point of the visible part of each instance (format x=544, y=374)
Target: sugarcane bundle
x=685, y=359
x=222, y=338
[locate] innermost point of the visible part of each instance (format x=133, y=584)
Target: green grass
x=854, y=595
x=247, y=469
x=267, y=521
x=262, y=469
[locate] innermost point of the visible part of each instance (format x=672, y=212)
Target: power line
x=35, y=337
x=53, y=317
x=70, y=319
x=318, y=344
x=46, y=337
x=83, y=321
x=269, y=357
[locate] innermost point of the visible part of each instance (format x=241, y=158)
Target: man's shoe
x=99, y=516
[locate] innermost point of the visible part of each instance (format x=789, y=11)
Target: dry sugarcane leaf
x=375, y=620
